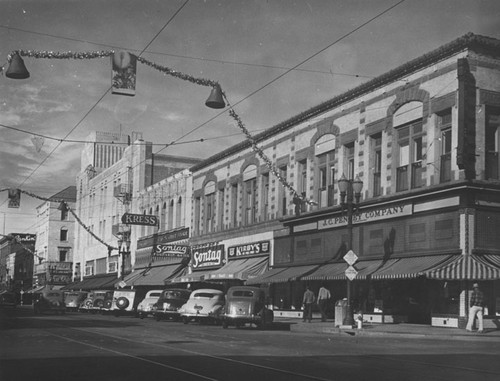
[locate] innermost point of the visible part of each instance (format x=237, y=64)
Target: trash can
x=340, y=312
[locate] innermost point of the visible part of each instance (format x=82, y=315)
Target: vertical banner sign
x=123, y=73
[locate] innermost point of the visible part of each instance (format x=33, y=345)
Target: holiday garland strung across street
x=121, y=63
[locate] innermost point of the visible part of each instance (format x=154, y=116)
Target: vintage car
x=7, y=299
x=123, y=302
x=245, y=304
x=49, y=301
x=94, y=301
x=169, y=302
x=145, y=306
x=73, y=299
x=204, y=305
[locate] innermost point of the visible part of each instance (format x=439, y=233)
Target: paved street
x=78, y=346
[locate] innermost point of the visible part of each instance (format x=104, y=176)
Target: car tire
x=122, y=303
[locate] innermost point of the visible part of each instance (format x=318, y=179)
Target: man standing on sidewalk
x=308, y=301
x=323, y=298
x=476, y=308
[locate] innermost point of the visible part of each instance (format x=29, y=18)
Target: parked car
x=73, y=299
x=94, y=301
x=7, y=299
x=169, y=302
x=123, y=302
x=49, y=301
x=246, y=304
x=203, y=305
x=145, y=306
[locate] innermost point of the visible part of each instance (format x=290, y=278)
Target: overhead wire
x=249, y=95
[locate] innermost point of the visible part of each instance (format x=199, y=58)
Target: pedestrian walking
x=308, y=301
x=323, y=298
x=476, y=308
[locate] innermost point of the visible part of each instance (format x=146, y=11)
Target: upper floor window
x=63, y=255
x=349, y=160
x=250, y=194
x=64, y=214
x=409, y=136
x=63, y=234
x=376, y=163
x=221, y=202
x=282, y=192
x=265, y=196
x=234, y=204
x=178, y=213
x=209, y=208
x=492, y=167
x=444, y=123
x=325, y=170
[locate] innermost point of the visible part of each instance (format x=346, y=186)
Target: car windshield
x=243, y=293
x=154, y=295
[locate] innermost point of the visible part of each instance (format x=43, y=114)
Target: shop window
x=492, y=143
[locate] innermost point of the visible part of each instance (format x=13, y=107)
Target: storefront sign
x=368, y=216
x=167, y=237
x=170, y=251
x=139, y=219
x=209, y=256
x=351, y=273
x=248, y=250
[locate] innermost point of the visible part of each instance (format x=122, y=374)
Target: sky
x=273, y=59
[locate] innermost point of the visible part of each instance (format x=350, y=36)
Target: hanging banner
x=123, y=73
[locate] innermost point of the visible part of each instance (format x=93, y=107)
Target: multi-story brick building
x=53, y=260
x=104, y=194
x=424, y=139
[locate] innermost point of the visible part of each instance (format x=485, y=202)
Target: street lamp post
x=123, y=250
x=350, y=193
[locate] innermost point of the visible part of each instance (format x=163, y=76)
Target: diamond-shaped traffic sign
x=350, y=257
x=351, y=273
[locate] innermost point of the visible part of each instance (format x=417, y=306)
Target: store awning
x=329, y=271
x=282, y=275
x=96, y=282
x=466, y=267
x=241, y=269
x=35, y=289
x=155, y=276
x=196, y=276
x=410, y=267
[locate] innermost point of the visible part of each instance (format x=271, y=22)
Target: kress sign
x=139, y=219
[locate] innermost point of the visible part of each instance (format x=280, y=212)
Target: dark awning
x=156, y=276
x=196, y=276
x=240, y=269
x=466, y=267
x=410, y=267
x=96, y=282
x=282, y=274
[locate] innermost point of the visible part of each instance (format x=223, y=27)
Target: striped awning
x=410, y=267
x=466, y=267
x=282, y=274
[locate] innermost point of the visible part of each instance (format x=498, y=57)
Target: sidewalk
x=403, y=330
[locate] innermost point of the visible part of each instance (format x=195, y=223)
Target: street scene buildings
x=388, y=194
